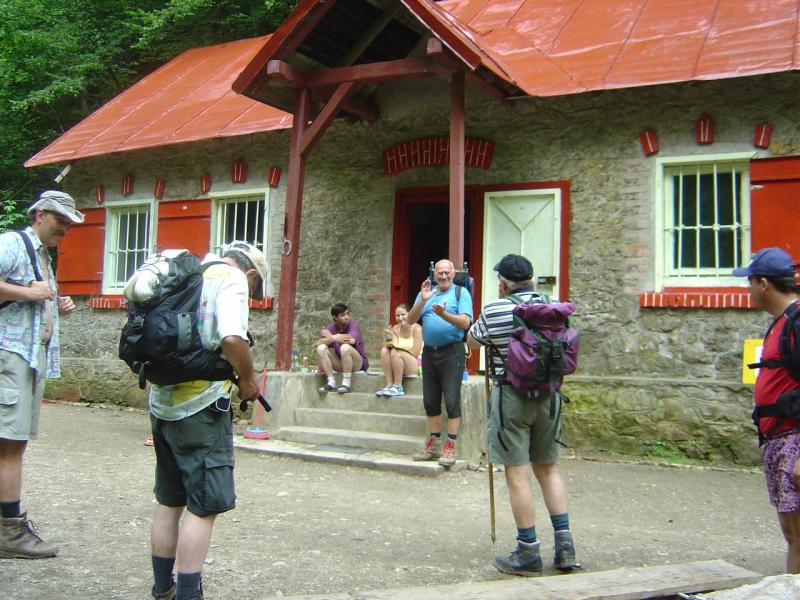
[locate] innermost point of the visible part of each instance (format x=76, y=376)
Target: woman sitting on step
x=400, y=352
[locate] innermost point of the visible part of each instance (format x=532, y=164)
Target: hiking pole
x=256, y=432
x=491, y=466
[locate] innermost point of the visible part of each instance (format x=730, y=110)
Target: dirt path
x=304, y=528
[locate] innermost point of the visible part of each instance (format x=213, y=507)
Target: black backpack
x=788, y=403
x=160, y=341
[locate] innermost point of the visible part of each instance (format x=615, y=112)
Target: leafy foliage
x=62, y=59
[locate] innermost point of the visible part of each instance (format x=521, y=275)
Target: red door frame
x=473, y=196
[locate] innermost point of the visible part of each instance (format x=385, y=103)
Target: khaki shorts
x=21, y=391
x=524, y=430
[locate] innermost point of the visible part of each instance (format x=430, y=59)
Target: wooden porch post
x=456, y=224
x=287, y=291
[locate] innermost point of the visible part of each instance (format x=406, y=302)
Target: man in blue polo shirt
x=445, y=314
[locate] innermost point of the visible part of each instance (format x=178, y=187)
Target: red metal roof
x=554, y=47
x=188, y=99
x=543, y=47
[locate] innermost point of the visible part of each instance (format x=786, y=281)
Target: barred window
x=129, y=241
x=242, y=218
x=706, y=221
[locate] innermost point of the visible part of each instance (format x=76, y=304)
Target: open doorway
x=421, y=235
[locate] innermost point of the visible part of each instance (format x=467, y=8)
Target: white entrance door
x=525, y=222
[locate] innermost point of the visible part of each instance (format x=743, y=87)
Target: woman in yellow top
x=400, y=352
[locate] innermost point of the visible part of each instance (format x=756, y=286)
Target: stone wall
x=646, y=375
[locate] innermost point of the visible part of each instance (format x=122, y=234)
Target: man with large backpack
x=773, y=288
x=524, y=427
x=192, y=426
x=29, y=355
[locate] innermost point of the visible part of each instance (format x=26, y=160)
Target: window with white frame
x=705, y=219
x=129, y=241
x=240, y=216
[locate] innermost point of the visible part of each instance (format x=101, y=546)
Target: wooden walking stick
x=489, y=451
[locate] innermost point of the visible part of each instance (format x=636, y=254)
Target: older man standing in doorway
x=445, y=314
x=28, y=355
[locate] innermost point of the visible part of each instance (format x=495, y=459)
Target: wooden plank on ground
x=630, y=583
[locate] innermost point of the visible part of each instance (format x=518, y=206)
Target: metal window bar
x=239, y=221
x=132, y=231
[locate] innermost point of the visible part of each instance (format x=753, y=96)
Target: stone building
x=637, y=160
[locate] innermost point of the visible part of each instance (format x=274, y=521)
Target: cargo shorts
x=194, y=462
x=524, y=430
x=21, y=391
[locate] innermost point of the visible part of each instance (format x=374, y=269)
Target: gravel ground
x=306, y=528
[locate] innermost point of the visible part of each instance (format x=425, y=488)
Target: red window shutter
x=775, y=204
x=80, y=255
x=184, y=224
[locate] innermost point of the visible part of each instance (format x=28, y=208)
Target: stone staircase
x=357, y=428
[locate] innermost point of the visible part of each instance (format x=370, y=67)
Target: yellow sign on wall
x=751, y=353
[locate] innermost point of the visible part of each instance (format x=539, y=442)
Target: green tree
x=62, y=59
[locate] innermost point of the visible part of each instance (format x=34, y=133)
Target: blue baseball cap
x=769, y=262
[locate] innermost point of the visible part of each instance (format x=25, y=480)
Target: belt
x=440, y=348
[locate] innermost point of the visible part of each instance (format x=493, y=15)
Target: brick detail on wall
x=695, y=300
x=434, y=152
x=108, y=302
x=118, y=302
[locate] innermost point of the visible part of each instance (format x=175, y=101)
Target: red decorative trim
x=704, y=130
x=696, y=299
x=762, y=134
x=205, y=182
x=649, y=142
x=127, y=185
x=274, y=177
x=100, y=194
x=434, y=152
x=159, y=188
x=108, y=302
x=265, y=304
x=239, y=171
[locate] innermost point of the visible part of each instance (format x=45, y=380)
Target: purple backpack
x=543, y=346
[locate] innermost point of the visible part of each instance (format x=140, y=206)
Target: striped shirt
x=495, y=324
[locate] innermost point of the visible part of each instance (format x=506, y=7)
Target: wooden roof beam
x=390, y=70
x=438, y=54
x=335, y=103
x=372, y=32
x=285, y=74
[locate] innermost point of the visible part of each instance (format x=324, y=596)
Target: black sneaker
x=168, y=595
x=524, y=561
x=564, y=551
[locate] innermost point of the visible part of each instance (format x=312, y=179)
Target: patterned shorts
x=779, y=456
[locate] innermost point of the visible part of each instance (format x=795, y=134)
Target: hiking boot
x=524, y=561
x=430, y=450
x=448, y=453
x=168, y=595
x=19, y=539
x=564, y=551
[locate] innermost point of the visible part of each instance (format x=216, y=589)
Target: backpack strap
x=789, y=352
x=34, y=263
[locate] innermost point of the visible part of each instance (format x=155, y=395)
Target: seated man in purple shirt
x=341, y=348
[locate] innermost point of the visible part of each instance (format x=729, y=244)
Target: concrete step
x=391, y=443
x=343, y=455
x=364, y=421
x=369, y=402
